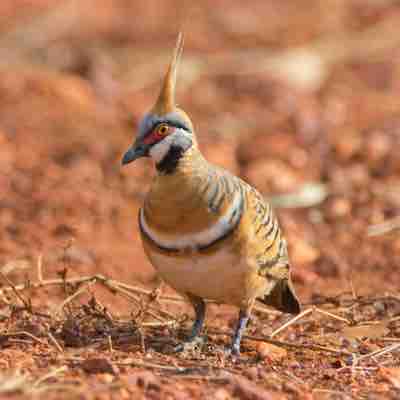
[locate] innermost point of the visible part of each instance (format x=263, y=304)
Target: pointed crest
x=166, y=98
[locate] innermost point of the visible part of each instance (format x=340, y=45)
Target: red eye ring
x=159, y=132
x=163, y=129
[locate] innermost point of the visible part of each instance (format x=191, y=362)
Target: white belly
x=221, y=276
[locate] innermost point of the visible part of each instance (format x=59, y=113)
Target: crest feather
x=166, y=98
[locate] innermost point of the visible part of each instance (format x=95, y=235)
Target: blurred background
x=301, y=101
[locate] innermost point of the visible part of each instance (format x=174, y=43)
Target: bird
x=208, y=234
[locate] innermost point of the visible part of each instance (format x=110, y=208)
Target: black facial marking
x=169, y=163
x=180, y=144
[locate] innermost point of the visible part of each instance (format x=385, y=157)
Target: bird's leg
x=200, y=311
x=237, y=337
x=194, y=339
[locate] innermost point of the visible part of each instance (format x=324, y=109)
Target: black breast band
x=236, y=217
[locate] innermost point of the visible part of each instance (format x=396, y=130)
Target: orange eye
x=163, y=129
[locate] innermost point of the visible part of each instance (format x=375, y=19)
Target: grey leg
x=200, y=311
x=237, y=337
x=194, y=339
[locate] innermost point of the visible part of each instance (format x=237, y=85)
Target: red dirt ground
x=281, y=94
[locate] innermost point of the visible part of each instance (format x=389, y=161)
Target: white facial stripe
x=159, y=150
x=199, y=239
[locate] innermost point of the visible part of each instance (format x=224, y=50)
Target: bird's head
x=165, y=133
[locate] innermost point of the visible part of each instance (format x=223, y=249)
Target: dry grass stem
x=112, y=285
x=288, y=345
x=110, y=344
x=172, y=323
x=12, y=287
x=385, y=227
x=24, y=333
x=334, y=316
x=51, y=374
x=73, y=296
x=390, y=339
x=334, y=393
x=55, y=343
x=40, y=268
x=144, y=364
x=291, y=321
x=377, y=353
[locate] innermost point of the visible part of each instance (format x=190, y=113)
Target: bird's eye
x=163, y=129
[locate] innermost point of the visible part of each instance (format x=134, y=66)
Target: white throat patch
x=180, y=137
x=161, y=149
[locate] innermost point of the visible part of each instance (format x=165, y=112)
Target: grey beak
x=136, y=151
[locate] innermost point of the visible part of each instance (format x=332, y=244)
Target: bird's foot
x=232, y=353
x=190, y=345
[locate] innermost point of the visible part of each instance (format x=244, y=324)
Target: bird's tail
x=283, y=297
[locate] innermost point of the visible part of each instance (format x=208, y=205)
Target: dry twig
x=24, y=333
x=49, y=375
x=54, y=341
x=291, y=321
x=289, y=345
x=13, y=288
